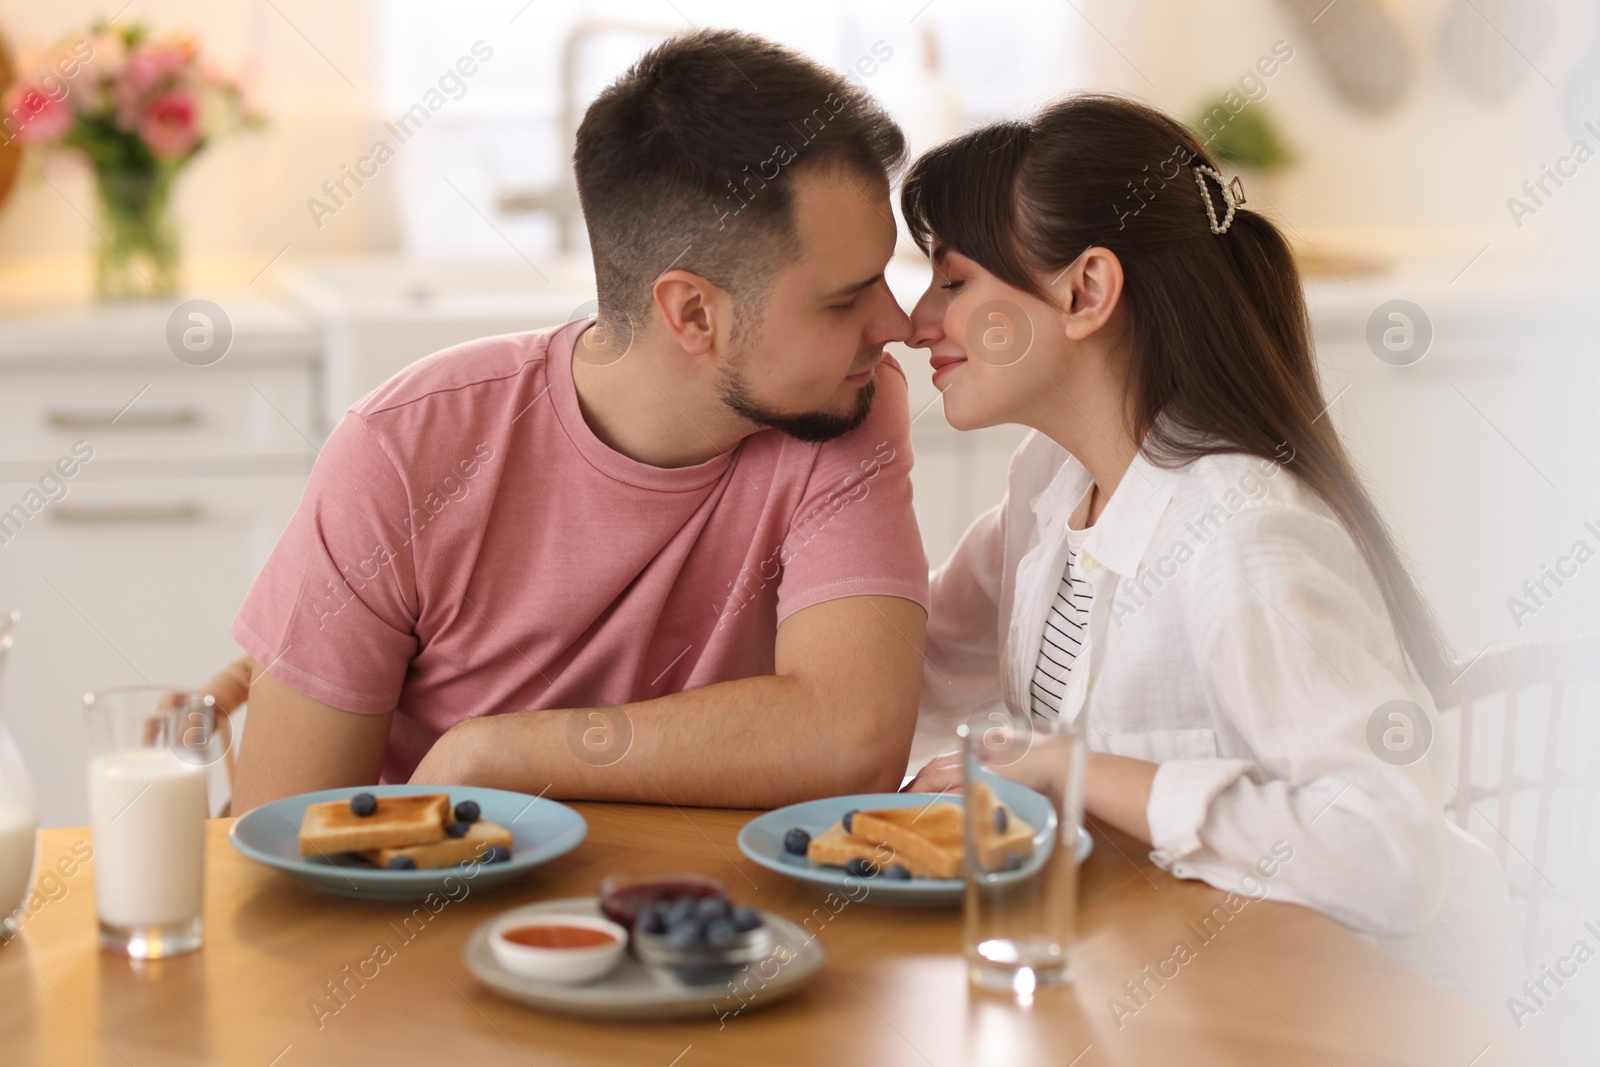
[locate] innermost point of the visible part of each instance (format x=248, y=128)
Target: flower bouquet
x=138, y=109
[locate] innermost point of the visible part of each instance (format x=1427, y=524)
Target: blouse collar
x=1122, y=534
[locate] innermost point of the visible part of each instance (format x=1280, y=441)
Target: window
x=497, y=168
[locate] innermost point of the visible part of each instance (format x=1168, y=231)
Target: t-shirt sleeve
x=333, y=612
x=855, y=533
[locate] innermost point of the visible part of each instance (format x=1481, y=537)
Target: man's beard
x=812, y=426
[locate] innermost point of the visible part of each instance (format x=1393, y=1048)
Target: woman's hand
x=941, y=774
x=1116, y=788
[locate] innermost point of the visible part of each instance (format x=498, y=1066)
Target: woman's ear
x=1087, y=291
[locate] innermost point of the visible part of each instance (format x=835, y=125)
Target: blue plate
x=540, y=829
x=762, y=841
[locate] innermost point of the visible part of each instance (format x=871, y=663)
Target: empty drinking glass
x=1023, y=794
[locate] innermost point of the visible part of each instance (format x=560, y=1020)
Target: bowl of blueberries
x=686, y=925
x=700, y=940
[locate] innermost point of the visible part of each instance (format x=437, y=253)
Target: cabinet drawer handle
x=105, y=514
x=170, y=419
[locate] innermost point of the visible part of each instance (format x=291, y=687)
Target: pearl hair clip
x=1232, y=195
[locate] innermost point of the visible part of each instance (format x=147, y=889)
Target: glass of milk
x=18, y=816
x=149, y=747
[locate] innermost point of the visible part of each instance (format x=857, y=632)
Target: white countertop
x=47, y=317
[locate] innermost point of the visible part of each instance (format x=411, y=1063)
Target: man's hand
x=230, y=687
x=451, y=760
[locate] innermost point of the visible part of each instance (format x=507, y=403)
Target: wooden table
x=1278, y=984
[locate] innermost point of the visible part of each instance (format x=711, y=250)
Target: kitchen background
x=1435, y=152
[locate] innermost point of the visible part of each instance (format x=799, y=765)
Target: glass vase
x=138, y=252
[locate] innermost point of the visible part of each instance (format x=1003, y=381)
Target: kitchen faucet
x=560, y=200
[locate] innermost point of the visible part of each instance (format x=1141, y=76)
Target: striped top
x=1065, y=630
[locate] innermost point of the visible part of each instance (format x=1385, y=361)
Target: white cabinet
x=132, y=569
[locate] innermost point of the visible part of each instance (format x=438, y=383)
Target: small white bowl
x=568, y=966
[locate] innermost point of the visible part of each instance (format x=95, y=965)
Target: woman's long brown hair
x=1220, y=345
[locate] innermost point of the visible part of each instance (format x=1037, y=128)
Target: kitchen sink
x=379, y=315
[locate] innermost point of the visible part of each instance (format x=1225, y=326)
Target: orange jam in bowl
x=566, y=947
x=557, y=935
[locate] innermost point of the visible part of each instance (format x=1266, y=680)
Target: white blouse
x=1237, y=638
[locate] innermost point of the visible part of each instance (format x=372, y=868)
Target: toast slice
x=994, y=844
x=330, y=826
x=448, y=852
x=928, y=836
x=835, y=848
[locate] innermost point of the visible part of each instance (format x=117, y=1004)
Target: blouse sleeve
x=1294, y=639
x=961, y=670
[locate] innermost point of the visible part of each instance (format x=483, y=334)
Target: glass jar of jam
x=623, y=896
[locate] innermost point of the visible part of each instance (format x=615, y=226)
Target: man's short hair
x=685, y=163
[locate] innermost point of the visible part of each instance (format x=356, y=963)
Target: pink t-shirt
x=466, y=546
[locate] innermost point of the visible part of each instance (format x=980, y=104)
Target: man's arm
x=836, y=717
x=295, y=744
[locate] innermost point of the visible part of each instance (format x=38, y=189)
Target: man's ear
x=697, y=314
x=1088, y=291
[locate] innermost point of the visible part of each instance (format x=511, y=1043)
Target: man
x=668, y=555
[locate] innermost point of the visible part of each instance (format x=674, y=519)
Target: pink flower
x=170, y=125
x=149, y=68
x=33, y=117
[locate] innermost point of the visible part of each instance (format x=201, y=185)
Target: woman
x=1185, y=564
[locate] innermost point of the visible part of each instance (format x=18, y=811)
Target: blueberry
x=497, y=854
x=708, y=908
x=745, y=919
x=720, y=933
x=402, y=863
x=898, y=872
x=796, y=841
x=457, y=829
x=683, y=935
x=1000, y=820
x=680, y=908
x=1013, y=862
x=363, y=804
x=652, y=919
x=468, y=812
x=849, y=818
x=861, y=867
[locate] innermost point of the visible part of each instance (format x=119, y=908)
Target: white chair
x=1542, y=784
